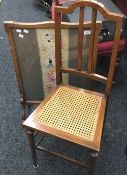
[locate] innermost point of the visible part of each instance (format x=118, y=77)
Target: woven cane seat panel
x=72, y=111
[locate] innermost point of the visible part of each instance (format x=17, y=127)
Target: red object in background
x=106, y=47
x=53, y=8
x=122, y=5
x=53, y=11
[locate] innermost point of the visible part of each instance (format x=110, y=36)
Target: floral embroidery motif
x=51, y=76
x=46, y=44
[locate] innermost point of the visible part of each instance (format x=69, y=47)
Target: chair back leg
x=93, y=157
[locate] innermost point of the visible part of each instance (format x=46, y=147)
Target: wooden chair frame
x=30, y=126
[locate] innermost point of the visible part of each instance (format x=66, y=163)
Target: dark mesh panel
x=29, y=61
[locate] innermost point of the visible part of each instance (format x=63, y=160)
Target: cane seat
x=75, y=112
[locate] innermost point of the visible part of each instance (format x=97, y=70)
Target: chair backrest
x=96, y=8
x=33, y=52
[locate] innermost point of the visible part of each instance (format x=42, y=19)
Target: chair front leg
x=93, y=157
x=30, y=134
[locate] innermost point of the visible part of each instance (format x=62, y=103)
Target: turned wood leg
x=23, y=112
x=26, y=110
x=32, y=147
x=93, y=157
x=126, y=152
x=29, y=108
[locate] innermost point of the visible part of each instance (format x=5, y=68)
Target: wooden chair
x=70, y=113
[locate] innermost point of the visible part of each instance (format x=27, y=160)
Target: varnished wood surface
x=92, y=76
x=94, y=4
x=110, y=5
x=91, y=41
x=107, y=3
x=84, y=164
x=15, y=61
x=80, y=38
x=113, y=57
x=95, y=145
x=45, y=25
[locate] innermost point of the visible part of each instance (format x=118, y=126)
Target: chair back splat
x=94, y=35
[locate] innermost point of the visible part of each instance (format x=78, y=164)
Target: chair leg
x=23, y=112
x=29, y=108
x=32, y=147
x=26, y=110
x=126, y=152
x=93, y=157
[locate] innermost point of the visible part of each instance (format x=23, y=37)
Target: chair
x=71, y=113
